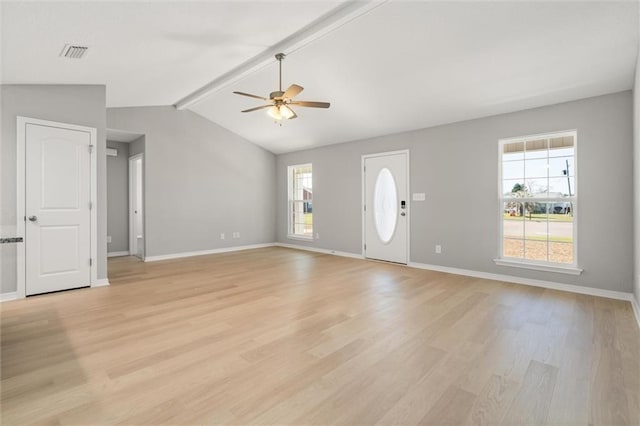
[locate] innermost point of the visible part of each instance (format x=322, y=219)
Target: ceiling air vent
x=73, y=51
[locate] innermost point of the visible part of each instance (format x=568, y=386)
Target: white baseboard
x=5, y=297
x=320, y=250
x=118, y=253
x=610, y=294
x=205, y=252
x=102, y=282
x=620, y=295
x=636, y=309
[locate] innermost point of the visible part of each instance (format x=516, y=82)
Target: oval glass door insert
x=385, y=205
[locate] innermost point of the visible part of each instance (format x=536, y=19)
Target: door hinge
x=90, y=205
x=365, y=207
x=90, y=262
x=91, y=148
x=365, y=247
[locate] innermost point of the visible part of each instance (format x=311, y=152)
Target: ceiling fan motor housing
x=276, y=95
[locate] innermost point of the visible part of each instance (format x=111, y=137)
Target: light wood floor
x=277, y=336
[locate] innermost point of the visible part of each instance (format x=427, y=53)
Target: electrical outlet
x=236, y=235
x=222, y=236
x=438, y=249
x=108, y=239
x=317, y=235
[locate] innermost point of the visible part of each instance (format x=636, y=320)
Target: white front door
x=386, y=209
x=57, y=208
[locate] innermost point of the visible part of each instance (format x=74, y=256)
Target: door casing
x=133, y=243
x=364, y=198
x=21, y=171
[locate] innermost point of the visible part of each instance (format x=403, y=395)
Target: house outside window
x=300, y=205
x=538, y=200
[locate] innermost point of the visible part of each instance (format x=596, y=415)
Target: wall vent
x=73, y=51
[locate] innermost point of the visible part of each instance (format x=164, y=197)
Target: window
x=301, y=201
x=538, y=197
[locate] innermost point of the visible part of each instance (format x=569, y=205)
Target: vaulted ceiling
x=400, y=66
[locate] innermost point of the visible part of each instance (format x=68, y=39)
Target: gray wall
x=458, y=163
x=200, y=180
x=75, y=104
x=118, y=197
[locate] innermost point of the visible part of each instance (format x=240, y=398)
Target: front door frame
x=364, y=198
x=22, y=122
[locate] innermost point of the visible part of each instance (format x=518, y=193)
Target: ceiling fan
x=279, y=101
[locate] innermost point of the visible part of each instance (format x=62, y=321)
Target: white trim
x=549, y=267
x=205, y=252
x=5, y=297
x=299, y=237
x=290, y=201
x=636, y=309
x=320, y=250
x=102, y=282
x=610, y=294
x=118, y=253
x=364, y=197
x=573, y=199
x=133, y=240
x=21, y=195
x=620, y=295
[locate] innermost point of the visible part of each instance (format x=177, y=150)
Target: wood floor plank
x=279, y=336
x=531, y=404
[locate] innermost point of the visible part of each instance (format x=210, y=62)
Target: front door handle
x=33, y=218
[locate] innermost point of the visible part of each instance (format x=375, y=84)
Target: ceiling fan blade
x=251, y=96
x=257, y=108
x=311, y=104
x=292, y=91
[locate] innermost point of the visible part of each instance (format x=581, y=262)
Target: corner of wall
x=636, y=176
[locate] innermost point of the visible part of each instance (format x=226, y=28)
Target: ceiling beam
x=330, y=21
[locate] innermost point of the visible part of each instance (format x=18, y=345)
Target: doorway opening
x=136, y=206
x=126, y=240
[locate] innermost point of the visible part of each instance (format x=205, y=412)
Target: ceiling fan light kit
x=279, y=101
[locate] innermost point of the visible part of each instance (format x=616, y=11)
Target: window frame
x=539, y=265
x=290, y=201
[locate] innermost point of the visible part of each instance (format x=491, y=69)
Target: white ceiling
x=403, y=66
x=146, y=52
x=122, y=136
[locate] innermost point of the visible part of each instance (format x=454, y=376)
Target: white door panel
x=386, y=207
x=58, y=225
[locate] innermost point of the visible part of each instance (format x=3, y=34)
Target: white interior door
x=136, y=214
x=57, y=208
x=386, y=210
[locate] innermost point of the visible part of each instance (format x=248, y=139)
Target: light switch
x=419, y=196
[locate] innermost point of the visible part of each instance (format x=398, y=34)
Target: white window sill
x=299, y=237
x=571, y=270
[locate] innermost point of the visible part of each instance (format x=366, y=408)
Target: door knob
x=33, y=218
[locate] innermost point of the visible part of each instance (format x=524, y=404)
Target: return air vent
x=73, y=51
